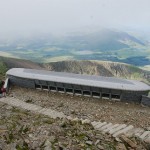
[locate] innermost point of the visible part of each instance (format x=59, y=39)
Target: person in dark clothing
x=2, y=89
x=1, y=93
x=1, y=84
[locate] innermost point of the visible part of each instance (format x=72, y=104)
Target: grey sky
x=29, y=16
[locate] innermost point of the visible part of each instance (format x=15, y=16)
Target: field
x=45, y=54
x=116, y=46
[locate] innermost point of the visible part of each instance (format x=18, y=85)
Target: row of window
x=78, y=92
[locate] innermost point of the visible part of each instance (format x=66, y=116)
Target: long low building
x=77, y=84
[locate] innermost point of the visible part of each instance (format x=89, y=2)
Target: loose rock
x=128, y=141
x=89, y=142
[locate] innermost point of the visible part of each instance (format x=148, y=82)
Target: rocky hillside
x=7, y=63
x=23, y=130
x=103, y=68
x=19, y=63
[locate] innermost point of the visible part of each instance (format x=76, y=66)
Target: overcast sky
x=30, y=16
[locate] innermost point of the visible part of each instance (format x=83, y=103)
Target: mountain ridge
x=100, y=68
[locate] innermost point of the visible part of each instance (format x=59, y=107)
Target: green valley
x=105, y=45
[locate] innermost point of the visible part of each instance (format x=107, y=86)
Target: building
x=77, y=84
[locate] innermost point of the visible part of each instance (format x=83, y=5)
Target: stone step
x=111, y=127
x=31, y=107
x=119, y=129
x=133, y=131
x=128, y=128
x=35, y=108
x=115, y=130
x=105, y=127
x=42, y=110
x=147, y=139
x=121, y=126
x=94, y=123
x=100, y=125
x=139, y=133
x=142, y=136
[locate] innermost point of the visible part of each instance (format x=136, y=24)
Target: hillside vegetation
x=19, y=63
x=3, y=70
x=7, y=63
x=102, y=68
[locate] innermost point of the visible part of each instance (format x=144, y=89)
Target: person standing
x=2, y=89
x=1, y=93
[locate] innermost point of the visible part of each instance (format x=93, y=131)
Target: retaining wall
x=145, y=100
x=134, y=96
x=28, y=83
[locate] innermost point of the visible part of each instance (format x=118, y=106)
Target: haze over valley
x=104, y=44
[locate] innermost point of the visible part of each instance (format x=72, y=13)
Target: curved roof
x=87, y=80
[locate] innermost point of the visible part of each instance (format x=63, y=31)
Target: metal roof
x=79, y=79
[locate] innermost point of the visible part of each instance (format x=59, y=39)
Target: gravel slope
x=83, y=107
x=24, y=130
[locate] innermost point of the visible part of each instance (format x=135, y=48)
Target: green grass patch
x=59, y=58
x=3, y=70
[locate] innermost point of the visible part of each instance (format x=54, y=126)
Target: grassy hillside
x=19, y=63
x=102, y=68
x=7, y=63
x=3, y=70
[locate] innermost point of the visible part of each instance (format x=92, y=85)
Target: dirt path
x=83, y=107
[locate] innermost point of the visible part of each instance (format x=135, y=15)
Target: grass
x=59, y=58
x=3, y=70
x=146, y=67
x=51, y=49
x=53, y=53
x=7, y=54
x=128, y=52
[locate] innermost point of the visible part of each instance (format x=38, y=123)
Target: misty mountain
x=105, y=44
x=104, y=40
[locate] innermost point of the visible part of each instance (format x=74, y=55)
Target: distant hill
x=103, y=45
x=102, y=68
x=104, y=40
x=19, y=63
x=7, y=63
